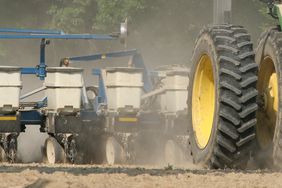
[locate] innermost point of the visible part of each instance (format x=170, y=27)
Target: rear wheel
x=222, y=98
x=269, y=136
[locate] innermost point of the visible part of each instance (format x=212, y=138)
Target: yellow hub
x=203, y=101
x=268, y=92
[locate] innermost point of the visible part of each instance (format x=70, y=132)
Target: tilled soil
x=41, y=175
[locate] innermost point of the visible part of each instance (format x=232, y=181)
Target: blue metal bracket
x=39, y=70
x=42, y=65
x=42, y=103
x=102, y=96
x=29, y=70
x=32, y=117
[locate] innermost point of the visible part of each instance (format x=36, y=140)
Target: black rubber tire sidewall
x=264, y=157
x=204, y=45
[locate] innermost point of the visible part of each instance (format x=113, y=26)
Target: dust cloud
x=165, y=36
x=30, y=143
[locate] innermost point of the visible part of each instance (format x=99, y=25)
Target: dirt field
x=37, y=175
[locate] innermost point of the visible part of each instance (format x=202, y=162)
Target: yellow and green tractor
x=235, y=94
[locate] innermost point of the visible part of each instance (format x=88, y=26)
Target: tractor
x=234, y=94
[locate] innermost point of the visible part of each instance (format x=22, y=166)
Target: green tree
x=92, y=15
x=72, y=15
x=111, y=13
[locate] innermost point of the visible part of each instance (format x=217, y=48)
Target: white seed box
x=63, y=87
x=175, y=96
x=10, y=86
x=124, y=87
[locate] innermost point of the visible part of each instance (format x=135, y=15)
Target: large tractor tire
x=222, y=98
x=269, y=115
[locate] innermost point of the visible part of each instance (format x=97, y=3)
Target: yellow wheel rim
x=203, y=101
x=268, y=93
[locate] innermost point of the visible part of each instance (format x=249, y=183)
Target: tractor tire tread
x=237, y=70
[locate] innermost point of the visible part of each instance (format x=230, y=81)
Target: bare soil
x=58, y=176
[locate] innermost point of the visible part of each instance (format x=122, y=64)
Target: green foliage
x=110, y=13
x=87, y=15
x=105, y=15
x=263, y=10
x=69, y=14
